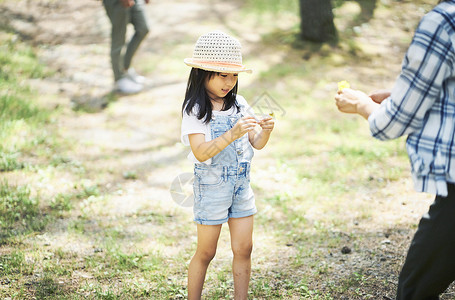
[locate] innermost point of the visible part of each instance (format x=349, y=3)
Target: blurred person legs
x=131, y=73
x=430, y=264
x=126, y=79
x=125, y=85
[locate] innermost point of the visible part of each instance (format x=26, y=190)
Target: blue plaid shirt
x=422, y=102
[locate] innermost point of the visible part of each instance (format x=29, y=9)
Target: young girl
x=221, y=129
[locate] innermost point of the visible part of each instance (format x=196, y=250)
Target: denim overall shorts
x=222, y=189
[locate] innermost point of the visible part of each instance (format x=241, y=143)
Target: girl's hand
x=267, y=123
x=243, y=125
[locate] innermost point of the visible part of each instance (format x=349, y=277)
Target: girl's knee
x=205, y=256
x=242, y=250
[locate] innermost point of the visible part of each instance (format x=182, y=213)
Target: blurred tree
x=317, y=21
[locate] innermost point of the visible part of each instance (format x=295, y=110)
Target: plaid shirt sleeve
x=425, y=67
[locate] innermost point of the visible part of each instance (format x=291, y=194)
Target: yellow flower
x=343, y=85
x=272, y=114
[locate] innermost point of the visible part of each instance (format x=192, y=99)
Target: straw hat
x=218, y=52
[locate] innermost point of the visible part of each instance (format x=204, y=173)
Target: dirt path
x=129, y=148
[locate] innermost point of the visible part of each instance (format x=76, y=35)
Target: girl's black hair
x=196, y=95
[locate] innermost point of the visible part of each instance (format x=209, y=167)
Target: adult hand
x=348, y=100
x=379, y=95
x=127, y=3
x=354, y=101
x=243, y=126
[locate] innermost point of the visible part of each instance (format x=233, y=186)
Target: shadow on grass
x=367, y=8
x=93, y=103
x=32, y=31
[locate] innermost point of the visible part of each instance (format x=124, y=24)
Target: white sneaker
x=127, y=86
x=131, y=73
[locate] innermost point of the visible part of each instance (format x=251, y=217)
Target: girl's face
x=220, y=85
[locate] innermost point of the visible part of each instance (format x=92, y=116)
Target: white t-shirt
x=191, y=124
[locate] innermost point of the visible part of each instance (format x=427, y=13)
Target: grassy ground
x=85, y=207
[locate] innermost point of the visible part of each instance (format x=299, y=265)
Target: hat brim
x=216, y=67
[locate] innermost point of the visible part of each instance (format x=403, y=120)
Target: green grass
x=21, y=128
x=24, y=132
x=16, y=204
x=276, y=7
x=320, y=184
x=14, y=264
x=19, y=212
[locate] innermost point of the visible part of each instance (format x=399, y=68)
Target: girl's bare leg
x=241, y=230
x=207, y=239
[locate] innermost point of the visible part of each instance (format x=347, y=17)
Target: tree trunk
x=317, y=21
